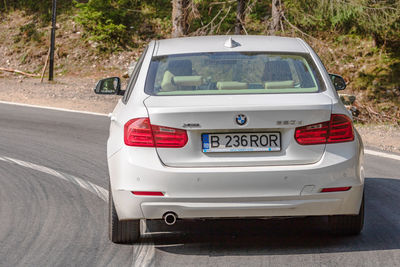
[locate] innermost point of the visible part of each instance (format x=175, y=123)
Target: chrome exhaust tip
x=170, y=218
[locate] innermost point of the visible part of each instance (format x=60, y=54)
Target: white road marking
x=52, y=108
x=93, y=188
x=382, y=154
x=145, y=252
x=142, y=253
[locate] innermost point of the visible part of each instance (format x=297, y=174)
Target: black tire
x=347, y=224
x=121, y=232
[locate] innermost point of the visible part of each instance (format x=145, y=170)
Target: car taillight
x=341, y=129
x=335, y=189
x=148, y=193
x=140, y=132
x=338, y=129
x=312, y=134
x=137, y=132
x=169, y=137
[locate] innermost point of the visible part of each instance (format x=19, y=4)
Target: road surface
x=53, y=210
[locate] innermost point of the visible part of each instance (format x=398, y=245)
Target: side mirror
x=338, y=82
x=109, y=86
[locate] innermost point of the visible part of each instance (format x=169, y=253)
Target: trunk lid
x=200, y=114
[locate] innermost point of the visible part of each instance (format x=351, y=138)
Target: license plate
x=241, y=142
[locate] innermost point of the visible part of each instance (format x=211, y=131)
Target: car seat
x=277, y=75
x=176, y=68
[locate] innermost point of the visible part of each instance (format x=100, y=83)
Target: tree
x=276, y=17
x=241, y=4
x=179, y=17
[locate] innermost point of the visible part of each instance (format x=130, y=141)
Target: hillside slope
x=24, y=44
x=372, y=72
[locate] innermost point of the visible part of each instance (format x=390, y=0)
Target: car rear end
x=242, y=184
x=228, y=134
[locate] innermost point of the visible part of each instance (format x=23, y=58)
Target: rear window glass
x=232, y=73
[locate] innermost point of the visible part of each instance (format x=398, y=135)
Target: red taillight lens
x=341, y=129
x=335, y=189
x=140, y=132
x=137, y=132
x=338, y=129
x=169, y=137
x=148, y=193
x=312, y=134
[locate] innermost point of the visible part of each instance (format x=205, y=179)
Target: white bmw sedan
x=231, y=127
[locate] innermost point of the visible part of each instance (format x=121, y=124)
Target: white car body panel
x=216, y=113
x=216, y=44
x=140, y=169
x=196, y=185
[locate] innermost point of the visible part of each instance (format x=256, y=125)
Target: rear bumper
x=237, y=191
x=343, y=203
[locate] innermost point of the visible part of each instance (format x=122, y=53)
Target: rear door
x=205, y=115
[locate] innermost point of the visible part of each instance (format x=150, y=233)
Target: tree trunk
x=276, y=17
x=241, y=4
x=179, y=17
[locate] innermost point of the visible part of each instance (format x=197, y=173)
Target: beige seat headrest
x=231, y=85
x=166, y=83
x=279, y=85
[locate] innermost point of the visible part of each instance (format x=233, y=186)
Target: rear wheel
x=121, y=232
x=347, y=224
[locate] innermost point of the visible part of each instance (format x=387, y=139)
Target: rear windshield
x=232, y=73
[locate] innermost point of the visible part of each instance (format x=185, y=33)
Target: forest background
x=358, y=39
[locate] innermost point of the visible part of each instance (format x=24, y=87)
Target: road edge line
x=53, y=108
x=146, y=250
x=382, y=154
x=97, y=190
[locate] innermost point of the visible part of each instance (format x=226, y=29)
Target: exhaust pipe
x=170, y=218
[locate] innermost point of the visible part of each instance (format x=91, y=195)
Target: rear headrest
x=180, y=67
x=277, y=70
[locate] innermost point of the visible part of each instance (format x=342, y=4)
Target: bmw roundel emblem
x=241, y=119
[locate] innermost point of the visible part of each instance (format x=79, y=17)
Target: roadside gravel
x=66, y=92
x=384, y=137
x=77, y=93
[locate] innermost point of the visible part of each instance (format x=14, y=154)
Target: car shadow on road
x=288, y=236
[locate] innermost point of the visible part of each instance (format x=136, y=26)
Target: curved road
x=53, y=210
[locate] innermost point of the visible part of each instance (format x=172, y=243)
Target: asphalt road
x=53, y=212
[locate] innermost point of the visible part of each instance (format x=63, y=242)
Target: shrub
x=379, y=19
x=41, y=8
x=106, y=22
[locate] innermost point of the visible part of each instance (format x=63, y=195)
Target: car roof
x=217, y=43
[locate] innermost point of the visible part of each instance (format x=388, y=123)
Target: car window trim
x=134, y=77
x=307, y=56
